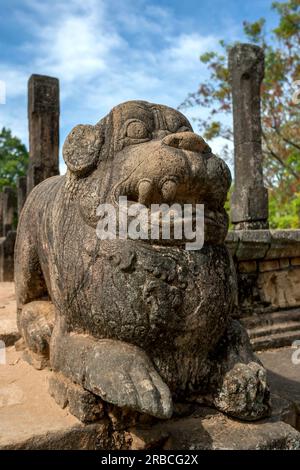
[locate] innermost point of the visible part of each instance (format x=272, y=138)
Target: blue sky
x=108, y=51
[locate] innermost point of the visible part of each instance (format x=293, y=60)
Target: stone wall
x=268, y=269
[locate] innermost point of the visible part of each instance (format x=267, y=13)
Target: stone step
x=276, y=340
x=271, y=318
x=274, y=329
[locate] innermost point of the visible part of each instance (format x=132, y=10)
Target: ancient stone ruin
x=249, y=205
x=145, y=343
x=43, y=118
x=169, y=335
x=8, y=233
x=43, y=123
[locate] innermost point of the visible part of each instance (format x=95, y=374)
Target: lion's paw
x=244, y=393
x=125, y=376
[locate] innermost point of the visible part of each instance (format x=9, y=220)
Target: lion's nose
x=187, y=141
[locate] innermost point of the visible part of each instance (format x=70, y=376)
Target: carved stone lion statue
x=139, y=323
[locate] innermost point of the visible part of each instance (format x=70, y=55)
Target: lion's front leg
x=118, y=372
x=239, y=378
x=35, y=322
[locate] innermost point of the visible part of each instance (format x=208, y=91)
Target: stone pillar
x=43, y=116
x=9, y=209
x=249, y=203
x=7, y=246
x=7, y=242
x=21, y=193
x=1, y=213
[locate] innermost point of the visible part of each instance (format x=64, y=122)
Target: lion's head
x=150, y=154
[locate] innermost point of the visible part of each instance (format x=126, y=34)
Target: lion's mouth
x=171, y=225
x=173, y=215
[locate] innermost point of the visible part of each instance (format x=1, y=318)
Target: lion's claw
x=244, y=393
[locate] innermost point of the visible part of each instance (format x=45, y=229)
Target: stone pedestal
x=30, y=419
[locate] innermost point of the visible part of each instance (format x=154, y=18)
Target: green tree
x=280, y=112
x=13, y=159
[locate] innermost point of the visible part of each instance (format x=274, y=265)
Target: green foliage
x=284, y=215
x=255, y=30
x=280, y=115
x=13, y=159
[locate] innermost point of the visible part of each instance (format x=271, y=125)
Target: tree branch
x=285, y=139
x=279, y=159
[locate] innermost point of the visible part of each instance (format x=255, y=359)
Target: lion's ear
x=81, y=148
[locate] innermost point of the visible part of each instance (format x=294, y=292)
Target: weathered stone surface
x=30, y=419
x=273, y=330
x=9, y=209
x=140, y=323
x=249, y=204
x=284, y=263
x=7, y=245
x=269, y=265
x=21, y=193
x=43, y=116
x=232, y=242
x=284, y=244
x=217, y=432
x=247, y=266
x=1, y=213
x=274, y=251
x=86, y=406
x=8, y=314
x=263, y=244
x=281, y=289
x=37, y=361
x=253, y=244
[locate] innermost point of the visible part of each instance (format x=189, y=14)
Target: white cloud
x=187, y=48
x=76, y=48
x=104, y=53
x=15, y=81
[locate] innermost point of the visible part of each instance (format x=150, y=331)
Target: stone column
x=1, y=213
x=43, y=116
x=7, y=246
x=249, y=203
x=9, y=209
x=7, y=242
x=21, y=193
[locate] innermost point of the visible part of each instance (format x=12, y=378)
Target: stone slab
x=284, y=374
x=284, y=244
x=30, y=419
x=263, y=244
x=8, y=311
x=211, y=430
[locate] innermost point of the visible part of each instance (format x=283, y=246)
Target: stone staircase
x=273, y=330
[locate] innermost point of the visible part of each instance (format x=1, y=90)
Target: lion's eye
x=137, y=130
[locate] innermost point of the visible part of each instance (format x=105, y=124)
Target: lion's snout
x=175, y=169
x=187, y=141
